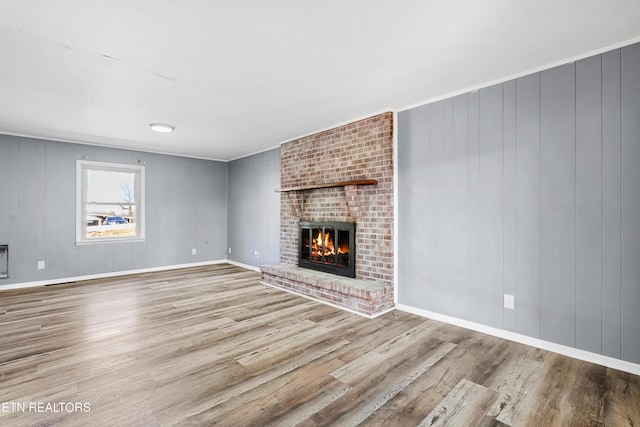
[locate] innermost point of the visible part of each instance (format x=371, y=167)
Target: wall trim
x=515, y=76
x=343, y=123
x=395, y=207
x=107, y=275
x=247, y=266
x=253, y=153
x=586, y=356
x=107, y=145
x=564, y=350
x=499, y=80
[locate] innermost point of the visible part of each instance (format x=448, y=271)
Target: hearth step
x=365, y=297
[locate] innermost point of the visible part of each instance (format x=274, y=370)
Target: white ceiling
x=239, y=77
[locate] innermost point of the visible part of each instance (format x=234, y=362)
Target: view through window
x=110, y=202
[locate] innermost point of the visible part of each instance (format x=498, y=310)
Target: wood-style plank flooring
x=212, y=346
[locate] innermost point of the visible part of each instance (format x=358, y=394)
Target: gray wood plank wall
x=254, y=208
x=530, y=188
x=185, y=209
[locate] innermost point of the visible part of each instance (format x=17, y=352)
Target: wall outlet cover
x=41, y=265
x=509, y=301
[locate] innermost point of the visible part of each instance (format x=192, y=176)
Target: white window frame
x=82, y=166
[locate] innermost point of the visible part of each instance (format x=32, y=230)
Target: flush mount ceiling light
x=161, y=127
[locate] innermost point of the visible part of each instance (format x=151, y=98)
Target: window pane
x=110, y=186
x=109, y=221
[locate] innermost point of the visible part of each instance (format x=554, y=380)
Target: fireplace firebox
x=328, y=246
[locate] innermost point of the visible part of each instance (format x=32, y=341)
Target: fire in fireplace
x=328, y=246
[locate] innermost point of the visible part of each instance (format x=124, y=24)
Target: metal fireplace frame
x=348, y=271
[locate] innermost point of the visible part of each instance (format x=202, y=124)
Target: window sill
x=102, y=241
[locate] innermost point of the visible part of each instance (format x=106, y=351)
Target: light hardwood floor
x=212, y=346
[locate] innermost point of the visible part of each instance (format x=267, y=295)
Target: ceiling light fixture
x=161, y=127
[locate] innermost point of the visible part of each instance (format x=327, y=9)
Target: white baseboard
x=107, y=275
x=247, y=266
x=587, y=356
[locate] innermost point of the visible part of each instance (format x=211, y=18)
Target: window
x=110, y=202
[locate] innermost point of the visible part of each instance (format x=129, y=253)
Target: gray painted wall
x=254, y=208
x=185, y=204
x=532, y=188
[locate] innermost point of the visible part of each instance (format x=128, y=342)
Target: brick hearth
x=362, y=150
x=361, y=296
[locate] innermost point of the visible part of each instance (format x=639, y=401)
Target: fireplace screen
x=328, y=246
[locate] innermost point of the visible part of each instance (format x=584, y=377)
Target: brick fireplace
x=344, y=174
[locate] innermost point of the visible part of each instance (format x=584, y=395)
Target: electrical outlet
x=229, y=250
x=257, y=254
x=41, y=265
x=509, y=301
x=194, y=251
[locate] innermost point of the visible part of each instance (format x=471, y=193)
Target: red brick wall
x=359, y=150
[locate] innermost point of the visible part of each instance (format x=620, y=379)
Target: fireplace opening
x=328, y=246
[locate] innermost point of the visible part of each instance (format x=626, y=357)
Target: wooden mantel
x=331, y=185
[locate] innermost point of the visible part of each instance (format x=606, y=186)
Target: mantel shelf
x=331, y=185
